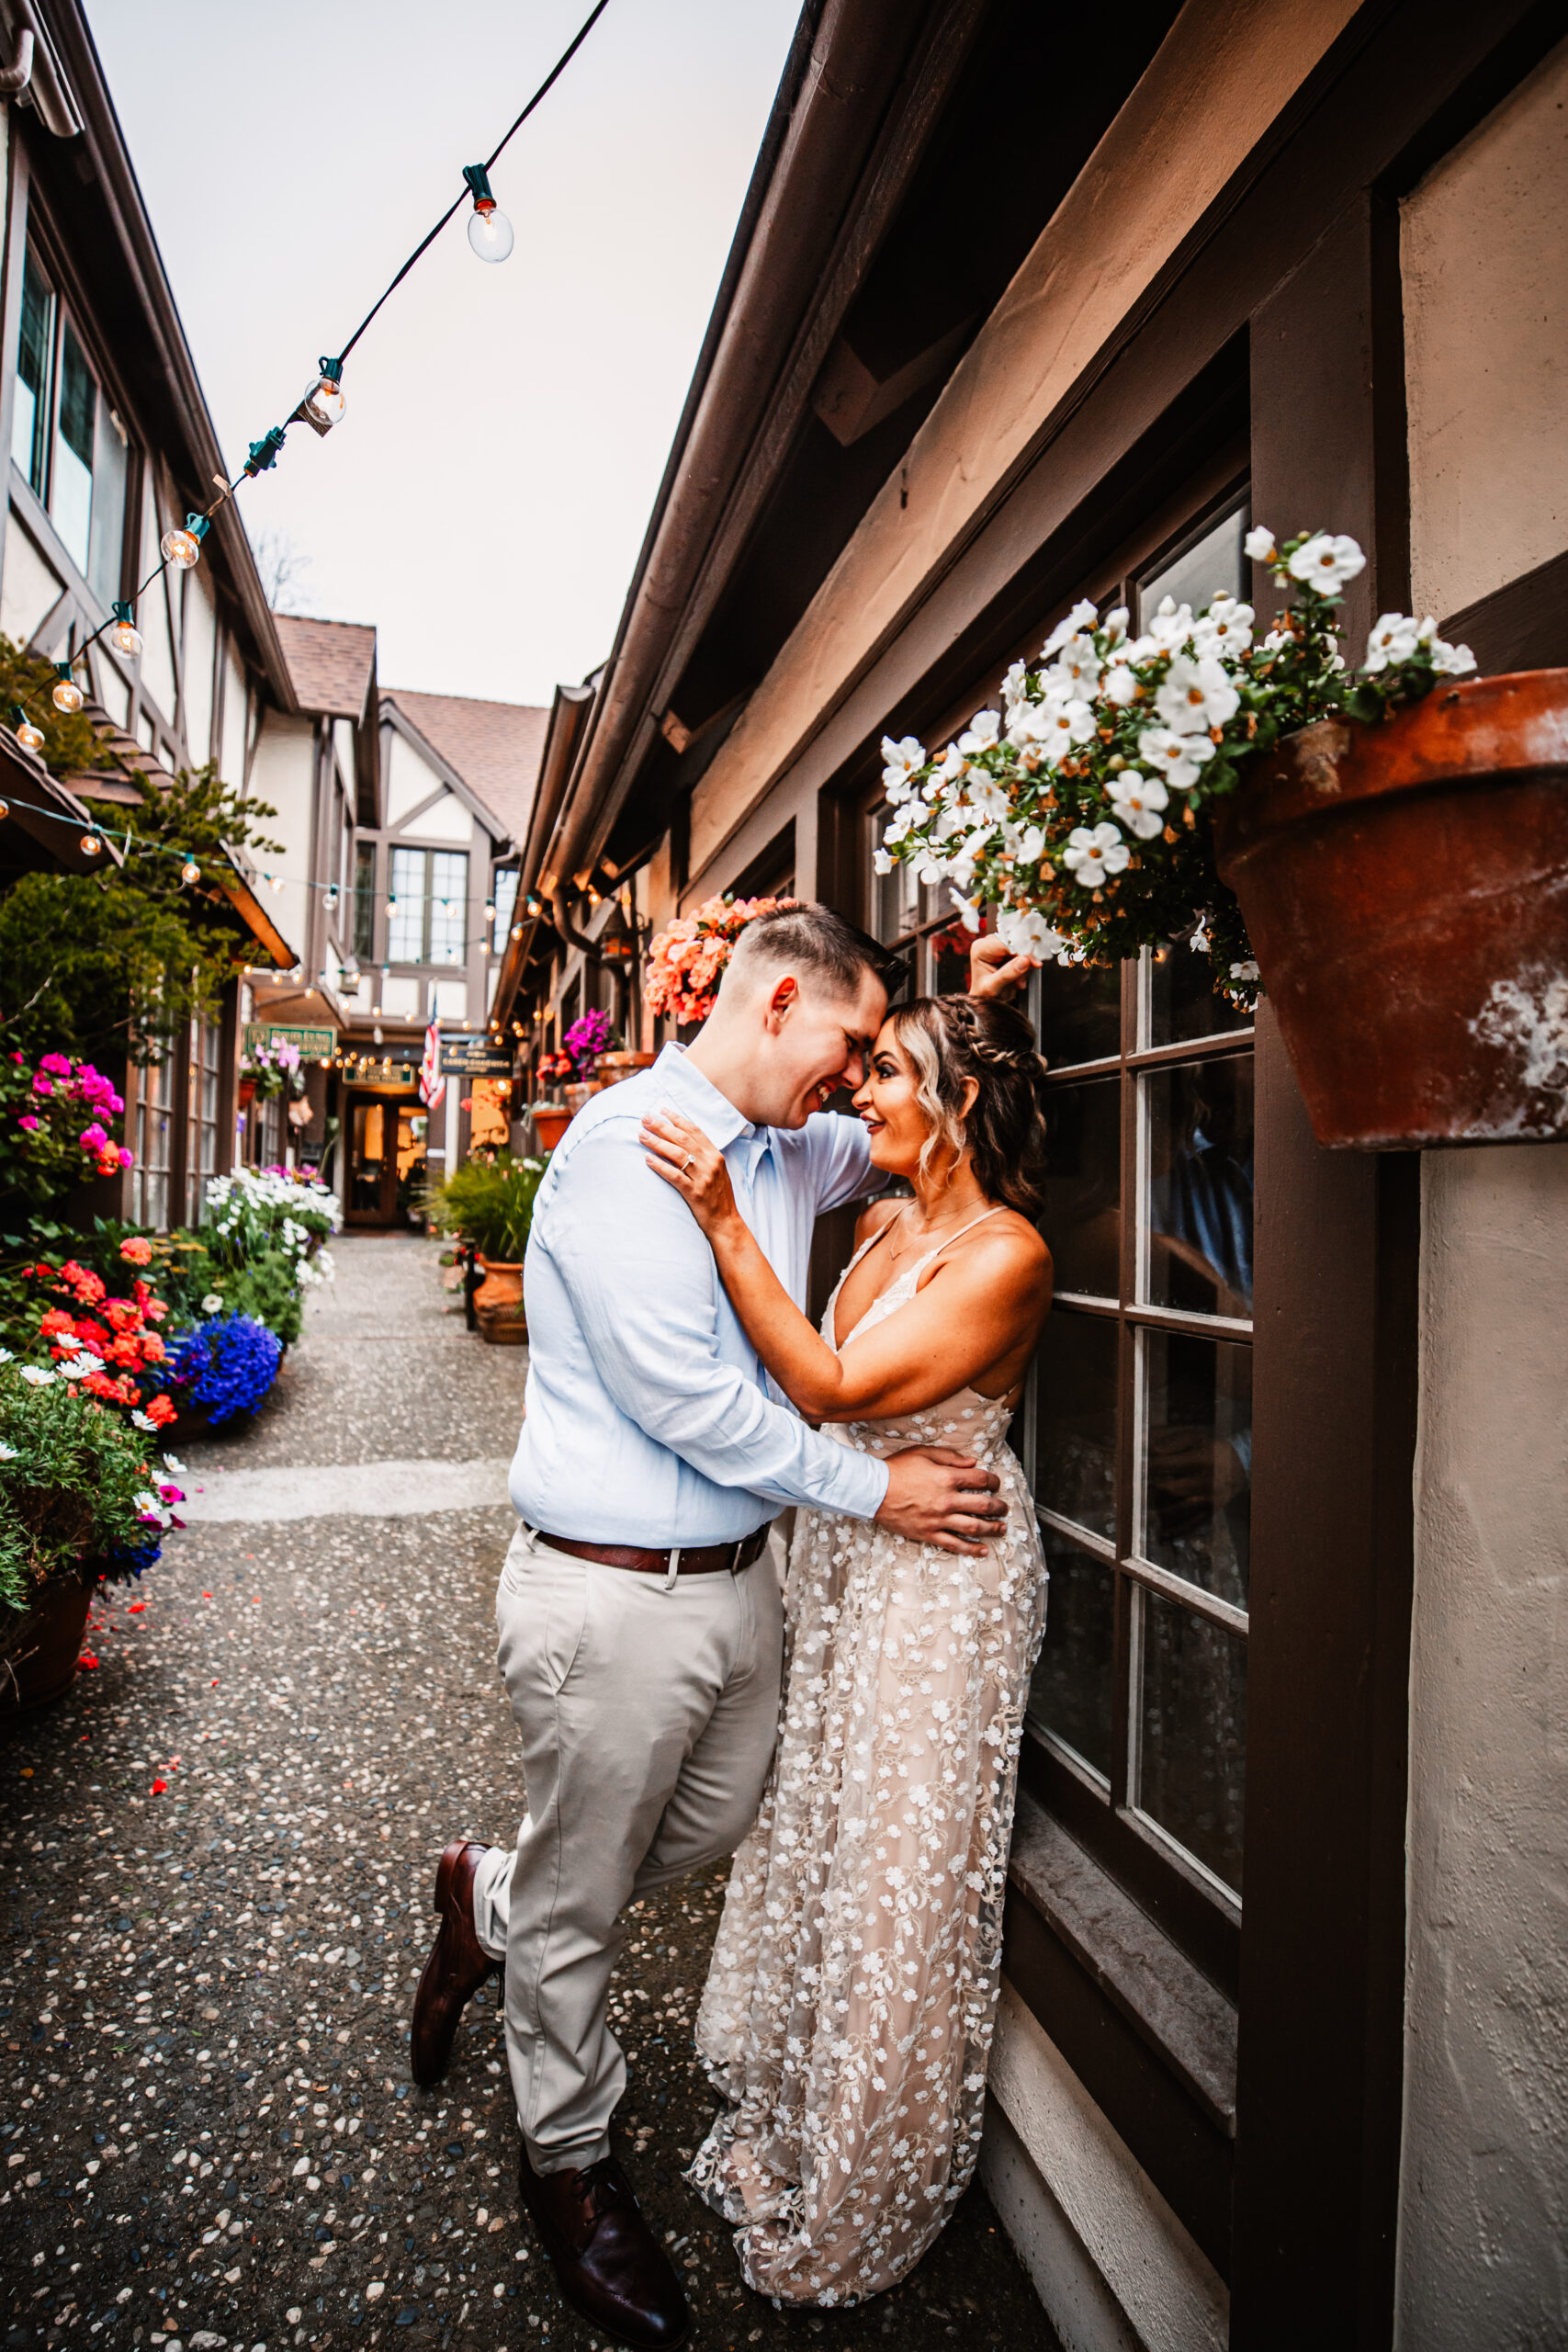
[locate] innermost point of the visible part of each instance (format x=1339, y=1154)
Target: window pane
x=949, y=967
x=405, y=911
x=1181, y=999
x=895, y=897
x=1076, y=1450
x=71, y=492
x=1196, y=1501
x=1193, y=1727
x=448, y=906
x=504, y=901
x=365, y=898
x=1198, y=1211
x=1080, y=1013
x=30, y=415
x=1070, y=1695
x=1081, y=1214
x=899, y=991
x=106, y=537
x=1214, y=563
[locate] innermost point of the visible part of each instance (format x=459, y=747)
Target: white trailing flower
x=212, y=1304
x=1177, y=758
x=1196, y=695
x=1328, y=561
x=1025, y=931
x=1015, y=687
x=1113, y=627
x=981, y=733
x=881, y=862
x=1225, y=627
x=1170, y=628
x=1083, y=615
x=1258, y=544
x=899, y=761
x=1199, y=943
x=990, y=801
x=1121, y=687
x=1394, y=638
x=1093, y=853
x=1140, y=802
x=1451, y=661
x=1247, y=971
x=1077, y=669
x=1064, y=726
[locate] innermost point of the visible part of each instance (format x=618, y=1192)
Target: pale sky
x=483, y=500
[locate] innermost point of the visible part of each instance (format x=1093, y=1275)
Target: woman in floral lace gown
x=849, y=2009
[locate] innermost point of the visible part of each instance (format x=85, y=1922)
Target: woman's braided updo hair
x=950, y=1038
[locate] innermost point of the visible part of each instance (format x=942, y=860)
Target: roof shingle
x=495, y=747
x=329, y=662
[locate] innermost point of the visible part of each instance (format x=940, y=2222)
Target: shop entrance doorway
x=387, y=1138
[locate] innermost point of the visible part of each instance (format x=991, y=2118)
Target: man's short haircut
x=814, y=938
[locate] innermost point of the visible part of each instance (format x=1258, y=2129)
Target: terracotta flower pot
x=498, y=1302
x=614, y=1066
x=38, y=1651
x=1405, y=887
x=551, y=1120
x=247, y=1092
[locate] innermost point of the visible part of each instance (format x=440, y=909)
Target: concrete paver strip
x=349, y=1490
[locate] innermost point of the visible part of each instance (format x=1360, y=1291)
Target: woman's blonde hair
x=948, y=1039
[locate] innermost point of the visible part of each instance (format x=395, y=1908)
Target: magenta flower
x=42, y=1085
x=31, y=1125
x=126, y=1156
x=94, y=1139
x=58, y=1065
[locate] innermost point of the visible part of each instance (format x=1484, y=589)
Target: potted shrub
x=490, y=1200
x=1387, y=851
x=82, y=1501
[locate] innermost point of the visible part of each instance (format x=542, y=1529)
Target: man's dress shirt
x=649, y=1419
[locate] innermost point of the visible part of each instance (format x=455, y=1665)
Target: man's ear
x=781, y=997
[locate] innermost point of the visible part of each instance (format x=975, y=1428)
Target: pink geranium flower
x=31, y=1125
x=94, y=1137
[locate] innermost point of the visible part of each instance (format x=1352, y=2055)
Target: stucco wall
x=1484, y=2220
x=1484, y=259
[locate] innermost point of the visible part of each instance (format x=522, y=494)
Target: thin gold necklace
x=895, y=1254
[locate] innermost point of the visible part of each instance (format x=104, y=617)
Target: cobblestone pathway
x=215, y=1858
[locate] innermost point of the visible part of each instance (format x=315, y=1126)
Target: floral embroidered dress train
x=849, y=2009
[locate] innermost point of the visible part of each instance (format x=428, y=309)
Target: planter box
x=1405, y=887
x=38, y=1651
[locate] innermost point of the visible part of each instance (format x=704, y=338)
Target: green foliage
x=75, y=1486
x=119, y=962
x=70, y=745
x=491, y=1202
x=268, y=1286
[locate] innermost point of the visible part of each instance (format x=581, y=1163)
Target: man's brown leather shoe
x=458, y=1965
x=609, y=2265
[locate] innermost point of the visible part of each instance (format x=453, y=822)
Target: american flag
x=431, y=1085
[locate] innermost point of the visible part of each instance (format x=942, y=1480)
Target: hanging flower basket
x=1406, y=889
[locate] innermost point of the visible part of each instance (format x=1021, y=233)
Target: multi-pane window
x=364, y=899
x=201, y=1116
x=33, y=396
x=66, y=438
x=504, y=901
x=154, y=1142
x=1141, y=1419
x=427, y=911
x=921, y=921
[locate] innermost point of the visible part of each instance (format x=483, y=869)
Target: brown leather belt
x=700, y=1560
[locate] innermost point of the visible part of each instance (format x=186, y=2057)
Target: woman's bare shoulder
x=872, y=1218
x=1006, y=1244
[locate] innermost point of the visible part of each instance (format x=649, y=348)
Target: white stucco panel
x=29, y=588
x=410, y=778
x=445, y=820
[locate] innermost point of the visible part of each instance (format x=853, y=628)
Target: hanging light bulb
x=67, y=695
x=4, y=810
x=191, y=871
x=490, y=231
x=322, y=406
x=92, y=846
x=183, y=548
x=29, y=737
x=331, y=902
x=125, y=636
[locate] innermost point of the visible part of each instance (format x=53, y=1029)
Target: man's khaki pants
x=648, y=1712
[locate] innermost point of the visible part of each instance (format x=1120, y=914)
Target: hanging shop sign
x=474, y=1058
x=314, y=1044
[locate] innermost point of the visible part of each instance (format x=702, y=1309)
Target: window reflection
x=1183, y=998
x=1197, y=1498
x=1199, y=1213
x=1071, y=1696
x=1212, y=563
x=1080, y=1213
x=1080, y=1013
x=1077, y=1451
x=1193, y=1733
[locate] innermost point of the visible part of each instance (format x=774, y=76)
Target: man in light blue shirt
x=640, y=1620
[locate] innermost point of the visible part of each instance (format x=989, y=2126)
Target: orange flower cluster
x=686, y=960
x=117, y=1333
